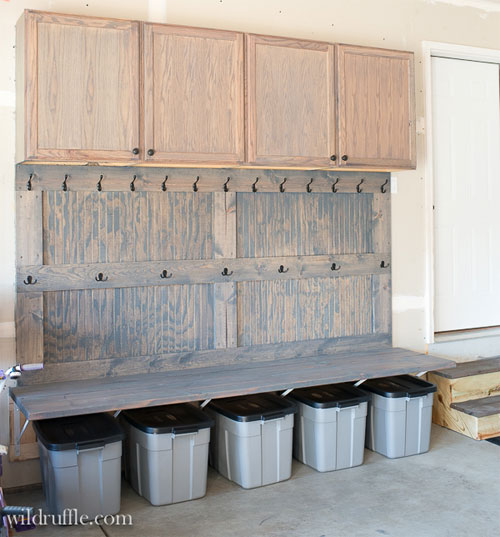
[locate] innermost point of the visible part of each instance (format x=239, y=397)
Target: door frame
x=454, y=52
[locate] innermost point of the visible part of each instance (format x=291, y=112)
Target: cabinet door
x=290, y=107
x=376, y=107
x=82, y=88
x=193, y=100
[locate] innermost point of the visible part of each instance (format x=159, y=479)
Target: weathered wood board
x=129, y=266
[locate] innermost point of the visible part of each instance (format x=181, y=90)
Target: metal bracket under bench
x=57, y=399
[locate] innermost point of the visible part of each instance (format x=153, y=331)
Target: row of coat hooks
x=225, y=186
x=100, y=277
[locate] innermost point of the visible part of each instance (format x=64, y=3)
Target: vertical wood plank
x=29, y=328
x=224, y=231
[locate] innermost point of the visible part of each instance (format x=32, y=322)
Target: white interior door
x=466, y=153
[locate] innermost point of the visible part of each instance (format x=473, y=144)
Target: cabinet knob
x=333, y=157
x=135, y=151
x=151, y=152
x=344, y=157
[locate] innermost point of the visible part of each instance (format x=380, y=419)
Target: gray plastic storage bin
x=399, y=415
x=252, y=440
x=80, y=458
x=329, y=432
x=168, y=452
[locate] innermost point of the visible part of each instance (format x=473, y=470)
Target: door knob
x=151, y=152
x=333, y=157
x=344, y=157
x=135, y=151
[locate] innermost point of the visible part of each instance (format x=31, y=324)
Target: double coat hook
x=99, y=184
x=195, y=184
x=282, y=185
x=65, y=183
x=226, y=272
x=308, y=186
x=165, y=275
x=226, y=188
x=384, y=265
x=100, y=278
x=282, y=269
x=29, y=280
x=254, y=185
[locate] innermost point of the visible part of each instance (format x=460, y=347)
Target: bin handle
x=273, y=416
x=183, y=431
x=91, y=444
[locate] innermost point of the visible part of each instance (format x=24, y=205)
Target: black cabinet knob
x=344, y=157
x=333, y=157
x=151, y=152
x=135, y=151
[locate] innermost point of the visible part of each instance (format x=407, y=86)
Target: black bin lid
x=78, y=432
x=178, y=419
x=330, y=396
x=264, y=406
x=400, y=386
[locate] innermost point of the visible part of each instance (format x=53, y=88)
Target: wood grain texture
x=111, y=227
x=118, y=275
x=194, y=94
x=376, y=113
x=82, y=88
x=298, y=310
x=304, y=224
x=480, y=408
x=131, y=322
x=106, y=394
x=29, y=316
x=28, y=446
x=29, y=235
x=476, y=367
x=290, y=101
x=118, y=178
x=469, y=388
x=114, y=367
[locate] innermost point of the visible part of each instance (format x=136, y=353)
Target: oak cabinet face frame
x=290, y=93
x=182, y=95
x=193, y=95
x=376, y=92
x=62, y=119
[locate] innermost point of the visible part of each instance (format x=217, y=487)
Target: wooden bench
x=69, y=398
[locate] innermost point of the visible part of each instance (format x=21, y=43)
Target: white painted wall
x=400, y=24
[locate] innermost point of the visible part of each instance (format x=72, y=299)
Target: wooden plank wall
x=193, y=267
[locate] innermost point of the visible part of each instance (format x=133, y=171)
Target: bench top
x=57, y=399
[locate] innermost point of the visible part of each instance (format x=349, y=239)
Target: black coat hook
x=358, y=186
x=335, y=266
x=165, y=275
x=164, y=184
x=65, y=183
x=100, y=278
x=28, y=184
x=132, y=184
x=308, y=186
x=99, y=184
x=282, y=185
x=382, y=188
x=282, y=269
x=254, y=186
x=226, y=188
x=384, y=265
x=225, y=272
x=334, y=186
x=195, y=184
x=29, y=280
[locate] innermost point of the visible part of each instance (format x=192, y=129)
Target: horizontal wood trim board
x=112, y=275
x=119, y=178
x=116, y=367
x=106, y=394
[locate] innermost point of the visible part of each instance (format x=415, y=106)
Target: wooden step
x=479, y=418
x=469, y=369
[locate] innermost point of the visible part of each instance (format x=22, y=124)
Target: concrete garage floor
x=454, y=490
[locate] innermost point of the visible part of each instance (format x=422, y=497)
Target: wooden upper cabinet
x=80, y=79
x=193, y=95
x=376, y=107
x=290, y=102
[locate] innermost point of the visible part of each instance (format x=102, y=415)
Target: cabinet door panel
x=193, y=98
x=376, y=107
x=290, y=107
x=84, y=88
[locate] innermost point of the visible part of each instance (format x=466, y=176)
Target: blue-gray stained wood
x=479, y=408
x=107, y=227
x=296, y=310
x=99, y=324
x=271, y=225
x=105, y=394
x=476, y=367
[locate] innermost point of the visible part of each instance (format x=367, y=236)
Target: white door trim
x=457, y=52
